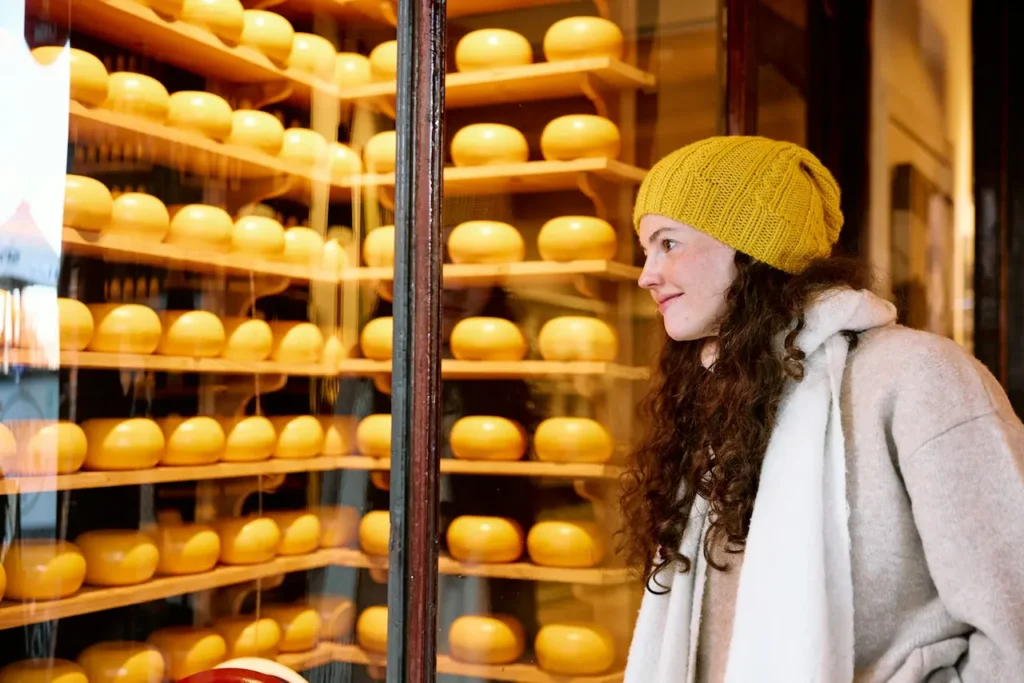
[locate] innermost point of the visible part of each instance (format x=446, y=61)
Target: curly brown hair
x=691, y=413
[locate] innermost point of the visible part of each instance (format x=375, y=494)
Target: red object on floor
x=231, y=676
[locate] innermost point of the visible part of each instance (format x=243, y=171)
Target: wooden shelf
x=323, y=653
x=523, y=369
x=522, y=274
x=154, y=363
x=526, y=571
x=385, y=11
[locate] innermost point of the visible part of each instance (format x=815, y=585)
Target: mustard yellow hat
x=771, y=200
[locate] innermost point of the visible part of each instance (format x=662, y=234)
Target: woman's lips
x=665, y=302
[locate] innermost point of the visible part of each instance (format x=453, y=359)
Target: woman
x=822, y=496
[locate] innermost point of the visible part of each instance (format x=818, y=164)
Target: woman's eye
x=668, y=245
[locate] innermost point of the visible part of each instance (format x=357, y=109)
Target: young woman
x=822, y=496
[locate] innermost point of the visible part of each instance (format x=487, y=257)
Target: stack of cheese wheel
x=298, y=436
x=247, y=339
x=188, y=650
x=184, y=548
x=247, y=439
x=487, y=144
x=488, y=540
x=375, y=532
x=248, y=636
x=118, y=557
x=300, y=625
x=485, y=242
x=200, y=226
x=487, y=437
x=89, y=78
x=197, y=334
x=580, y=136
x=247, y=540
x=572, y=440
x=43, y=569
x=124, y=328
x=565, y=544
x=300, y=531
x=572, y=238
x=373, y=435
x=296, y=342
x=122, y=444
x=269, y=33
x=39, y=447
x=375, y=338
x=490, y=339
x=486, y=639
x=339, y=525
x=372, y=629
x=492, y=48
x=41, y=670
x=384, y=61
x=122, y=661
x=337, y=615
x=200, y=112
x=574, y=649
x=191, y=441
x=577, y=338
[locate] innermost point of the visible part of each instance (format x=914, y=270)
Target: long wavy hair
x=707, y=431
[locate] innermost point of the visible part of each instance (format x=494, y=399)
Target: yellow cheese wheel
x=574, y=649
x=42, y=569
x=256, y=129
x=375, y=339
x=484, y=144
x=303, y=146
x=312, y=53
x=375, y=532
x=122, y=662
x=191, y=441
x=384, y=61
x=139, y=216
x=76, y=324
x=138, y=95
x=344, y=160
x=167, y=8
x=303, y=245
x=379, y=247
x=123, y=444
x=185, y=548
x=247, y=439
x=89, y=77
x=492, y=48
x=247, y=339
x=296, y=342
x=8, y=448
x=580, y=136
x=200, y=112
x=188, y=650
x=485, y=539
x=117, y=557
x=298, y=436
x=571, y=238
x=247, y=540
x=382, y=383
x=247, y=636
x=486, y=639
x=582, y=37
x=485, y=242
x=380, y=152
x=258, y=235
x=337, y=615
x=300, y=531
x=43, y=671
x=485, y=437
x=46, y=447
x=373, y=435
x=565, y=544
x=372, y=629
x=300, y=626
x=334, y=257
x=223, y=18
x=572, y=439
x=339, y=434
x=339, y=525
x=351, y=70
x=87, y=203
x=577, y=338
x=487, y=339
x=269, y=33
x=200, y=226
x=198, y=334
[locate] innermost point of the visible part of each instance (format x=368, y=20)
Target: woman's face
x=688, y=274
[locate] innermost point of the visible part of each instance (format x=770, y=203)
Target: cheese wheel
x=337, y=615
x=384, y=61
x=571, y=238
x=117, y=557
x=247, y=439
x=247, y=636
x=269, y=33
x=375, y=532
x=296, y=342
x=258, y=235
x=375, y=339
x=76, y=324
x=565, y=544
x=488, y=540
x=379, y=247
x=42, y=569
x=574, y=649
x=344, y=160
x=577, y=338
x=580, y=136
x=46, y=447
x=139, y=216
x=300, y=531
x=339, y=434
x=380, y=151
x=486, y=639
x=303, y=146
x=298, y=436
x=485, y=242
x=247, y=339
x=137, y=95
x=339, y=525
x=184, y=548
x=191, y=441
x=256, y=129
x=582, y=38
x=300, y=626
x=223, y=18
x=372, y=629
x=89, y=78
x=303, y=245
x=88, y=204
x=43, y=671
x=485, y=437
x=492, y=48
x=200, y=112
x=167, y=8
x=373, y=436
x=247, y=540
x=382, y=383
x=572, y=439
x=122, y=662
x=122, y=444
x=485, y=144
x=334, y=258
x=8, y=449
x=351, y=70
x=312, y=53
x=487, y=339
x=198, y=334
x=188, y=650
x=200, y=226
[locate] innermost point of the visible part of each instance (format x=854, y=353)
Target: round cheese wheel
x=256, y=129
x=200, y=226
x=117, y=557
x=198, y=334
x=485, y=437
x=298, y=436
x=572, y=439
x=339, y=434
x=247, y=636
x=300, y=626
x=339, y=525
x=487, y=339
x=167, y=8
x=379, y=247
x=8, y=448
x=223, y=18
x=200, y=112
x=334, y=258
x=337, y=615
x=138, y=95
x=42, y=569
x=89, y=77
x=375, y=532
x=372, y=629
x=87, y=203
x=373, y=435
x=185, y=548
x=312, y=53
x=380, y=151
x=296, y=342
x=384, y=61
x=269, y=33
x=375, y=339
x=122, y=444
x=485, y=539
x=122, y=662
x=43, y=671
x=76, y=325
x=303, y=245
x=580, y=136
x=247, y=439
x=246, y=339
x=582, y=37
x=485, y=242
x=191, y=441
x=344, y=160
x=247, y=540
x=303, y=146
x=139, y=216
x=492, y=48
x=258, y=235
x=577, y=338
x=565, y=544
x=486, y=639
x=382, y=383
x=571, y=238
x=351, y=70
x=484, y=144
x=300, y=531
x=46, y=447
x=574, y=649
x=188, y=650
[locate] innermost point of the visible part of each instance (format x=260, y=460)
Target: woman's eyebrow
x=654, y=235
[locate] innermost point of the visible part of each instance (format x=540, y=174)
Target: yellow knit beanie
x=774, y=201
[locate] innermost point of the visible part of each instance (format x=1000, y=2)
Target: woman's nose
x=649, y=276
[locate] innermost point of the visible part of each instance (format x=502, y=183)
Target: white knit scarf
x=794, y=607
